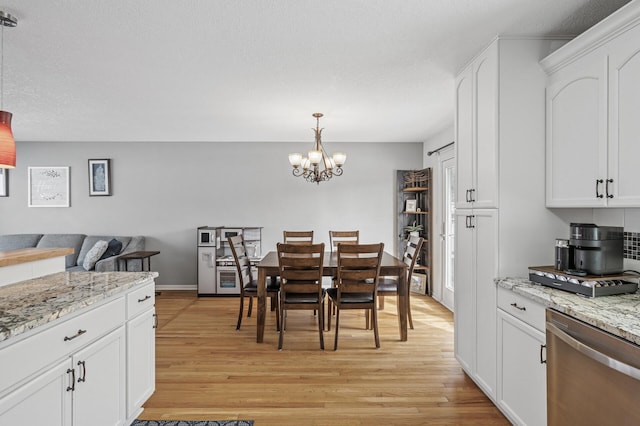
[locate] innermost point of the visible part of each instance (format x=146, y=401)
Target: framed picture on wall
x=48, y=186
x=99, y=177
x=4, y=183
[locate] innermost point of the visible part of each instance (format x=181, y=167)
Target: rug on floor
x=192, y=423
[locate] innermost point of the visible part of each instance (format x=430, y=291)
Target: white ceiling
x=254, y=70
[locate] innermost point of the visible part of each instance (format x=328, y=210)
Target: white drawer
x=141, y=299
x=522, y=307
x=26, y=357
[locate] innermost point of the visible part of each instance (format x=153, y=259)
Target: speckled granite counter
x=32, y=303
x=619, y=315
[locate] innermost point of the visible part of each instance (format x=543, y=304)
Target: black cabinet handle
x=78, y=334
x=73, y=379
x=598, y=182
x=520, y=308
x=84, y=372
x=472, y=194
x=147, y=297
x=466, y=196
x=542, y=360
x=607, y=188
x=469, y=221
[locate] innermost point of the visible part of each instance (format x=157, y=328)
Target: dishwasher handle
x=621, y=367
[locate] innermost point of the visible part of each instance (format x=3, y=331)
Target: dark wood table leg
x=403, y=301
x=262, y=302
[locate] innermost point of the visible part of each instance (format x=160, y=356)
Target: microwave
x=207, y=237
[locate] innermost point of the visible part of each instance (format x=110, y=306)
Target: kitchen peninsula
x=27, y=263
x=77, y=345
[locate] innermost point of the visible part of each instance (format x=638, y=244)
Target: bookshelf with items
x=413, y=207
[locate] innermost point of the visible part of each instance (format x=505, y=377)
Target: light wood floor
x=208, y=370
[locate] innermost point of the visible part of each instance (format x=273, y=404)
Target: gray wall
x=165, y=190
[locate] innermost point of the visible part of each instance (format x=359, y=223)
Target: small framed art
x=411, y=205
x=99, y=177
x=4, y=183
x=418, y=283
x=48, y=186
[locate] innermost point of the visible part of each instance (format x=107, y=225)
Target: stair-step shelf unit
x=414, y=194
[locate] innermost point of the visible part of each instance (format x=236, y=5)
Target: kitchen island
x=618, y=315
x=76, y=347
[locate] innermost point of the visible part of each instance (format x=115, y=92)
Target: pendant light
x=7, y=143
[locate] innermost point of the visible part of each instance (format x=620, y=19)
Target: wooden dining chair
x=388, y=286
x=298, y=237
x=357, y=283
x=347, y=237
x=301, y=268
x=248, y=285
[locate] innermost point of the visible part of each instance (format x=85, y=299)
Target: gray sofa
x=80, y=244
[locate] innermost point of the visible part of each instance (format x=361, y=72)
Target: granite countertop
x=618, y=315
x=32, y=303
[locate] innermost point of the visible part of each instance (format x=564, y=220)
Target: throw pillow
x=114, y=248
x=94, y=254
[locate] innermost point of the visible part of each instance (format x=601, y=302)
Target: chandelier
x=317, y=166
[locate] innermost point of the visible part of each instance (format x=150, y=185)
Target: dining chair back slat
x=345, y=237
x=298, y=237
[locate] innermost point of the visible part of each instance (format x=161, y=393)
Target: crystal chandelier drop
x=317, y=166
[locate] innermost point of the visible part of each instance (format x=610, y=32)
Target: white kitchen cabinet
x=502, y=130
x=93, y=367
x=593, y=99
x=42, y=401
x=85, y=389
x=576, y=160
x=475, y=295
x=476, y=132
x=522, y=384
x=141, y=353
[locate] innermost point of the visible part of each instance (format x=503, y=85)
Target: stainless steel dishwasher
x=593, y=377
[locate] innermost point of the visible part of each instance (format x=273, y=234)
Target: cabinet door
x=485, y=147
x=522, y=391
x=624, y=125
x=99, y=396
x=43, y=401
x=464, y=310
x=464, y=138
x=485, y=246
x=141, y=361
x=576, y=134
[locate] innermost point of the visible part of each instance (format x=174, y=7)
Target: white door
x=447, y=227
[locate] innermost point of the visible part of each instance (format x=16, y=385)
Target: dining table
x=390, y=266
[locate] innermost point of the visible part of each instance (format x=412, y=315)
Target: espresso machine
x=594, y=250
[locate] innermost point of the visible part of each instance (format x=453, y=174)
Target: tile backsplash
x=632, y=245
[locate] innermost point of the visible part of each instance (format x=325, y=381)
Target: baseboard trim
x=176, y=287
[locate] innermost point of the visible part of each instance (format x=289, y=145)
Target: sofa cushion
x=73, y=241
x=18, y=241
x=91, y=240
x=114, y=248
x=94, y=254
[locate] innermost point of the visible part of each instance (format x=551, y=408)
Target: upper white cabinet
x=477, y=132
x=592, y=105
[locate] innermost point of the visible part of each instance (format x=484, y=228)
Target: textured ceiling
x=254, y=70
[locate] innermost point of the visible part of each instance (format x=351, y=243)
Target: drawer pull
x=542, y=360
x=78, y=334
x=155, y=320
x=520, y=308
x=147, y=297
x=84, y=372
x=73, y=379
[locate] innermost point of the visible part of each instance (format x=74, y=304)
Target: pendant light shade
x=7, y=143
